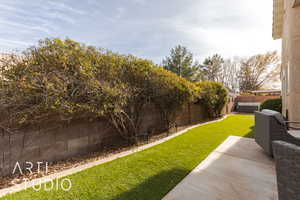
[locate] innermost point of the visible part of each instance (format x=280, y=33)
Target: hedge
x=272, y=104
x=61, y=80
x=214, y=95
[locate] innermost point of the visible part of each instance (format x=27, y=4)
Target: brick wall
x=254, y=98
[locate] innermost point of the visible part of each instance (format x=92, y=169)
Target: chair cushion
x=278, y=116
x=294, y=133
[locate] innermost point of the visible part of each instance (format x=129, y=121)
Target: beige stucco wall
x=290, y=73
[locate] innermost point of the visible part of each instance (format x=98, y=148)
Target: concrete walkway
x=237, y=170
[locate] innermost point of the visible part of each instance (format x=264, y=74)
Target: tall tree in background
x=181, y=62
x=211, y=68
x=258, y=70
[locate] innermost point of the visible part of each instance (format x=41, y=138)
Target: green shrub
x=171, y=92
x=57, y=80
x=272, y=104
x=62, y=80
x=214, y=96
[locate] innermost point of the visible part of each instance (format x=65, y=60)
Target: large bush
x=272, y=104
x=60, y=80
x=57, y=80
x=214, y=96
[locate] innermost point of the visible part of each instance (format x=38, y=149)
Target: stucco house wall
x=286, y=26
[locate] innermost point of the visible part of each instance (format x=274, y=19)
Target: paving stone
x=236, y=170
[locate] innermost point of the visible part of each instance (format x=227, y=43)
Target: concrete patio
x=237, y=170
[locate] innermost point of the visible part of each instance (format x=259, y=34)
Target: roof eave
x=278, y=10
x=296, y=3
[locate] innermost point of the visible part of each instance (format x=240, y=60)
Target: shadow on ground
x=156, y=187
x=250, y=134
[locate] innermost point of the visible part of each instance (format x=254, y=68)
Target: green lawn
x=149, y=174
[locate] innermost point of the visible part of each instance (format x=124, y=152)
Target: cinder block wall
x=54, y=142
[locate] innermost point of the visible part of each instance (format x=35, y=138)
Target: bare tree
x=259, y=70
x=229, y=74
x=217, y=69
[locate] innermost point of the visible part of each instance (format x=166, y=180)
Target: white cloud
x=13, y=43
x=146, y=28
x=60, y=16
x=6, y=23
x=62, y=7
x=230, y=27
x=141, y=2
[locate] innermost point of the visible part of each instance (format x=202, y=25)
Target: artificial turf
x=149, y=174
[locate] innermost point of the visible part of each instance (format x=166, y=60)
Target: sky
x=145, y=28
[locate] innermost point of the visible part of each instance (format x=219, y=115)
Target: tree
x=259, y=70
x=181, y=62
x=214, y=97
x=211, y=68
x=229, y=74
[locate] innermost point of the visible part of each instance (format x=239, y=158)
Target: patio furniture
x=247, y=107
x=287, y=158
x=270, y=126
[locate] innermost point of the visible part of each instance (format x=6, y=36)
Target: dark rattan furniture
x=270, y=126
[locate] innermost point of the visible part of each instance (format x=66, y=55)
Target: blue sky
x=148, y=29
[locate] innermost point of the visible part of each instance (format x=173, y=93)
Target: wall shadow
x=156, y=187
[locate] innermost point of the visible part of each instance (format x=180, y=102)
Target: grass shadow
x=156, y=187
x=251, y=133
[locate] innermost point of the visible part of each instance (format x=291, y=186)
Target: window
x=287, y=81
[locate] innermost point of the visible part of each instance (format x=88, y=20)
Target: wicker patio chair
x=270, y=126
